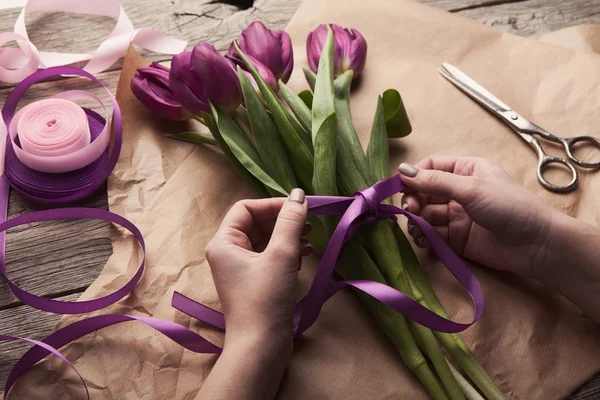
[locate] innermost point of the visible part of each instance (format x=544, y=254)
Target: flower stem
x=382, y=244
x=453, y=343
x=394, y=325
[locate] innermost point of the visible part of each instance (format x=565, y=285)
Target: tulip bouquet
x=278, y=140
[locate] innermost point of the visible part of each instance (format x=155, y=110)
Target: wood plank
x=195, y=21
x=26, y=322
x=461, y=5
x=589, y=391
x=534, y=17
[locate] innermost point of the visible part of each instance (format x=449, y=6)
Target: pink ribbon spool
x=54, y=136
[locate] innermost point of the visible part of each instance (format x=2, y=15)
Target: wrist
x=561, y=244
x=263, y=345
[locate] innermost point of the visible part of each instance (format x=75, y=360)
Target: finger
x=246, y=214
x=453, y=164
x=437, y=182
x=435, y=214
x=411, y=203
x=289, y=226
x=307, y=229
x=305, y=248
x=420, y=239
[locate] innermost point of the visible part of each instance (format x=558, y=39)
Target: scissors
x=526, y=129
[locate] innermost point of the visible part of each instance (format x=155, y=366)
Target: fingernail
x=405, y=206
x=297, y=195
x=407, y=170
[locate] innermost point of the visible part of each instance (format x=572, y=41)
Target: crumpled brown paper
x=535, y=344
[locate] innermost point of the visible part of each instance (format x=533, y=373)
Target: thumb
x=437, y=183
x=285, y=240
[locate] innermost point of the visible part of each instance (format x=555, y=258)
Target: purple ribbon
x=364, y=207
x=355, y=211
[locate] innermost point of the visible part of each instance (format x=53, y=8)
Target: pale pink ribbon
x=17, y=63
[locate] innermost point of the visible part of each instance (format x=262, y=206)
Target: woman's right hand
x=483, y=213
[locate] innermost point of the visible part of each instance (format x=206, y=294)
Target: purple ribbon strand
x=364, y=207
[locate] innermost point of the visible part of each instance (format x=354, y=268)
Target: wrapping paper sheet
x=535, y=344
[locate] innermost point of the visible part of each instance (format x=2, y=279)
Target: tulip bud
x=186, y=86
x=151, y=86
x=217, y=76
x=350, y=49
x=271, y=48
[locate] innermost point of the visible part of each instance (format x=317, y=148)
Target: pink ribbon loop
x=16, y=64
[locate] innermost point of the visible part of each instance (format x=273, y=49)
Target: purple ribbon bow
x=364, y=207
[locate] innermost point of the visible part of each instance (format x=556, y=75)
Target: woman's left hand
x=254, y=259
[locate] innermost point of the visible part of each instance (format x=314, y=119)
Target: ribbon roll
x=95, y=165
x=54, y=134
x=16, y=64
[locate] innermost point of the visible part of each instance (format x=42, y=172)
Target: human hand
x=483, y=213
x=254, y=259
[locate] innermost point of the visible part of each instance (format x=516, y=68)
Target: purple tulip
x=186, y=86
x=151, y=86
x=350, y=49
x=272, y=48
x=264, y=72
x=218, y=77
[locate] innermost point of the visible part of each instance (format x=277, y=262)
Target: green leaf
x=258, y=187
x=323, y=101
x=303, y=133
x=307, y=97
x=396, y=118
x=324, y=178
x=268, y=142
x=301, y=156
x=348, y=140
x=324, y=123
x=193, y=137
x=297, y=105
x=311, y=77
x=378, y=156
x=242, y=149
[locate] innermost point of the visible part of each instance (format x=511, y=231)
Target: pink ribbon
x=18, y=63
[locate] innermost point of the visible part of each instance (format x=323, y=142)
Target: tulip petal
x=358, y=52
x=151, y=86
x=287, y=55
x=350, y=49
x=186, y=87
x=259, y=42
x=220, y=82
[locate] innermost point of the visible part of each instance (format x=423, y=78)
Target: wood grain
x=61, y=259
x=25, y=322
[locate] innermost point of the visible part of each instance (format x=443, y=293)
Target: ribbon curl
x=18, y=63
x=364, y=207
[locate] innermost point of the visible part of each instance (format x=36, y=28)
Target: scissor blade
x=472, y=88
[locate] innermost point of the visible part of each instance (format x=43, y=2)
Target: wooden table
x=60, y=259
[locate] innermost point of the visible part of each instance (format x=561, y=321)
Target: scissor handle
x=545, y=162
x=568, y=145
